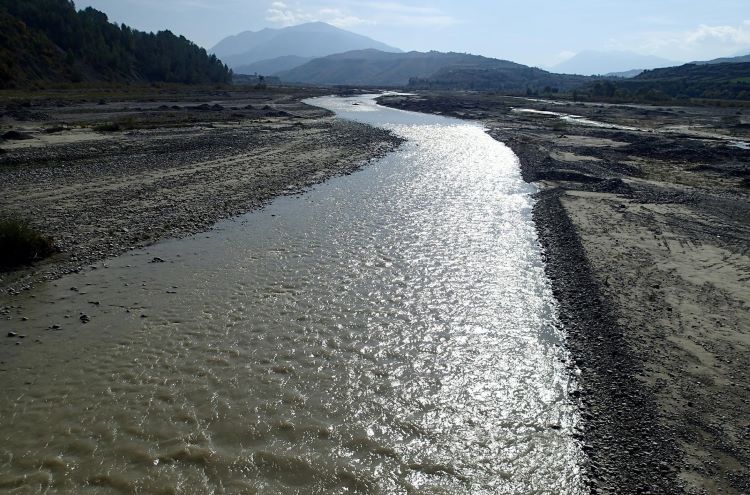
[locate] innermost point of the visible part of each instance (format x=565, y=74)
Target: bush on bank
x=21, y=244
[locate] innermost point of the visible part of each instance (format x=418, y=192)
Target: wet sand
x=646, y=234
x=179, y=163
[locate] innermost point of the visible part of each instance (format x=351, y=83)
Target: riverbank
x=102, y=175
x=645, y=225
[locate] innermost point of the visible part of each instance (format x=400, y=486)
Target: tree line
x=91, y=47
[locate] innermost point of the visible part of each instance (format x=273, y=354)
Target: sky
x=533, y=32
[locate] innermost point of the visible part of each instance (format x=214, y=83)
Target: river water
x=391, y=331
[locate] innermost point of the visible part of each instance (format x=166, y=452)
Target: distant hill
x=729, y=81
x=315, y=39
x=589, y=63
x=699, y=73
x=272, y=66
x=419, y=70
x=743, y=59
x=377, y=68
x=530, y=80
x=625, y=74
x=48, y=40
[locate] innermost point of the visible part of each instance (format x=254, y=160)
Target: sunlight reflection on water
x=388, y=332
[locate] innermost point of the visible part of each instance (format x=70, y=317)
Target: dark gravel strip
x=628, y=450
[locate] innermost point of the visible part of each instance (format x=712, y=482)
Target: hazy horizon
x=537, y=32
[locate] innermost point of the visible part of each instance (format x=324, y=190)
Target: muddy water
x=387, y=332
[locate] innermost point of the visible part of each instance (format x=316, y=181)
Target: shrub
x=122, y=125
x=20, y=244
x=559, y=125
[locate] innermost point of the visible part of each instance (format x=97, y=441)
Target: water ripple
x=387, y=332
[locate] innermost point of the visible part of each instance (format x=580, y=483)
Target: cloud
x=369, y=12
x=341, y=19
x=281, y=13
x=403, y=8
x=563, y=56
x=729, y=34
x=703, y=40
x=396, y=13
x=286, y=15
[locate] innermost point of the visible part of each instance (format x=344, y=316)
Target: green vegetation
x=518, y=80
x=714, y=85
x=559, y=125
x=114, y=126
x=20, y=244
x=49, y=41
x=727, y=81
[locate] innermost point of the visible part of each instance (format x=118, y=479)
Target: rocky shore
x=107, y=175
x=645, y=223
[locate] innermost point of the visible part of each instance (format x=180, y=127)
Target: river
x=390, y=331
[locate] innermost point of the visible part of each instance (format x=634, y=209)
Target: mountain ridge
x=593, y=62
x=740, y=59
x=309, y=40
x=424, y=70
x=375, y=67
x=273, y=66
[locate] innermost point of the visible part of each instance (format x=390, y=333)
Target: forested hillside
x=509, y=79
x=375, y=67
x=726, y=81
x=49, y=40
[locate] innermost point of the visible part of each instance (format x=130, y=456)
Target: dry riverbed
x=120, y=171
x=646, y=227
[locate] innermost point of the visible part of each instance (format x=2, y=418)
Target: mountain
x=378, y=68
x=272, y=66
x=315, y=39
x=742, y=59
x=422, y=70
x=49, y=40
x=592, y=63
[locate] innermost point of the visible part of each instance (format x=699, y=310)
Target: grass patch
x=559, y=125
x=20, y=244
x=107, y=127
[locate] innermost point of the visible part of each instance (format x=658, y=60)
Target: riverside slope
x=646, y=230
